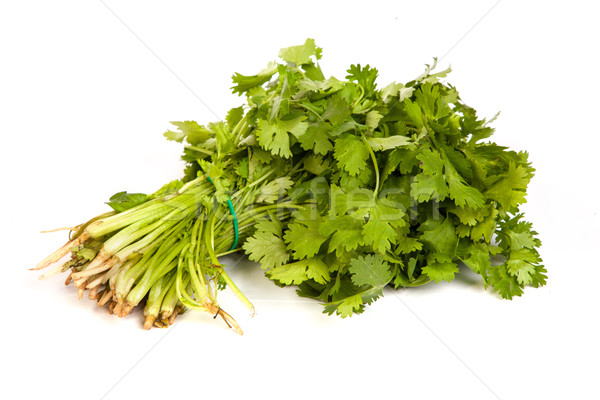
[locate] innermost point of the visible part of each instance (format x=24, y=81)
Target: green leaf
x=267, y=249
x=372, y=119
x=459, y=191
x=470, y=216
x=316, y=138
x=478, y=260
x=521, y=269
x=347, y=307
x=364, y=76
x=273, y=190
x=379, y=230
x=391, y=90
x=345, y=231
x=300, y=271
x=234, y=116
x=299, y=54
x=441, y=237
x=430, y=184
x=123, y=201
x=521, y=239
x=303, y=237
x=382, y=217
x=193, y=133
x=427, y=187
x=351, y=153
x=243, y=83
x=414, y=113
x=510, y=190
x=337, y=111
x=440, y=271
x=504, y=283
x=388, y=143
x=370, y=270
x=402, y=159
x=315, y=164
x=175, y=136
x=405, y=245
x=485, y=228
x=274, y=136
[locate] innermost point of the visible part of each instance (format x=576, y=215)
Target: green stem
x=157, y=293
x=375, y=166
x=216, y=263
x=199, y=149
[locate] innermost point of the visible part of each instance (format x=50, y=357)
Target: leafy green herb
x=337, y=186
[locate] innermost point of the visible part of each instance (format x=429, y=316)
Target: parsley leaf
x=351, y=153
x=275, y=138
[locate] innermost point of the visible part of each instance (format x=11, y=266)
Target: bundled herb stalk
x=165, y=247
x=336, y=186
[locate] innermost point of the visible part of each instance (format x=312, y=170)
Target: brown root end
x=161, y=323
x=174, y=315
x=125, y=310
x=118, y=306
x=80, y=292
x=105, y=298
x=80, y=283
x=111, y=307
x=165, y=315
x=149, y=321
x=69, y=279
x=93, y=295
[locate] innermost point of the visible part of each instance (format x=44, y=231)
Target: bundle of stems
x=164, y=251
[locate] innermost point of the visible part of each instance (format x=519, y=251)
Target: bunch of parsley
x=404, y=185
x=336, y=186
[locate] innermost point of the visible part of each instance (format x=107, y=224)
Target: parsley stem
x=216, y=263
x=240, y=128
x=375, y=166
x=311, y=110
x=199, y=149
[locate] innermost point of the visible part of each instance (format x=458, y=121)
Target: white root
x=100, y=263
x=51, y=273
x=60, y=253
x=105, y=298
x=95, y=283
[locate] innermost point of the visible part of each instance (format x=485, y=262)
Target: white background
x=86, y=90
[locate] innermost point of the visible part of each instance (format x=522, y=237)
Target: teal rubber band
x=236, y=232
x=235, y=224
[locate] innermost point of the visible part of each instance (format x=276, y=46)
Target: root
x=93, y=295
x=79, y=283
x=118, y=305
x=174, y=315
x=125, y=310
x=60, y=253
x=149, y=321
x=51, y=273
x=161, y=323
x=95, y=283
x=69, y=278
x=230, y=322
x=99, y=264
x=105, y=298
x=66, y=228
